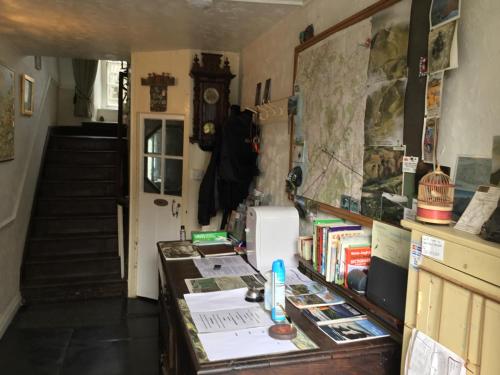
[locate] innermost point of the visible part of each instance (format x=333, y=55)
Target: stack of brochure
x=312, y=294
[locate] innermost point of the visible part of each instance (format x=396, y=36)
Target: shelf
x=390, y=322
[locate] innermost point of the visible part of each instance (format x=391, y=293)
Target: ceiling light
x=201, y=3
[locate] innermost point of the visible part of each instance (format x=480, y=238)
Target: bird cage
x=435, y=198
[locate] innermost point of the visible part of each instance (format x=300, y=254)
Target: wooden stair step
x=62, y=188
x=55, y=206
x=80, y=157
x=75, y=291
x=83, y=224
x=79, y=172
x=82, y=142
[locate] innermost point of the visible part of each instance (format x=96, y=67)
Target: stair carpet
x=72, y=248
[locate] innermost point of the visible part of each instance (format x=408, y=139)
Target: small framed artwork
x=267, y=92
x=38, y=62
x=258, y=89
x=27, y=95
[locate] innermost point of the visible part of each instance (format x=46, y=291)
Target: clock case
x=209, y=73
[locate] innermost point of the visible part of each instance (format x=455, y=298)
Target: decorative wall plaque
x=158, y=85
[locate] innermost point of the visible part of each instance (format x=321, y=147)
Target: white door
x=160, y=196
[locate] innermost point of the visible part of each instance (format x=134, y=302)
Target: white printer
x=272, y=233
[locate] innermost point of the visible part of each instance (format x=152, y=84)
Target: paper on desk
x=213, y=301
x=231, y=320
x=243, y=343
x=480, y=208
x=428, y=357
x=229, y=266
x=391, y=243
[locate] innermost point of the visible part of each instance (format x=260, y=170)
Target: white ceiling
x=113, y=28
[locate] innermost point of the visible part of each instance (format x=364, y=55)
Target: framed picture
x=6, y=114
x=27, y=95
x=38, y=62
x=258, y=89
x=266, y=98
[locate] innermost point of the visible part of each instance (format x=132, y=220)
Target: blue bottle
x=278, y=291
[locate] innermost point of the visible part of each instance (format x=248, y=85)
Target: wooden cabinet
x=456, y=301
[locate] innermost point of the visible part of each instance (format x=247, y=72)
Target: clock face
x=211, y=95
x=209, y=128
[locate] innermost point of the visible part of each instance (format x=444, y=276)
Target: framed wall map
x=352, y=82
x=6, y=114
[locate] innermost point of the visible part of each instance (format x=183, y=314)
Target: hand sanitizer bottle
x=182, y=233
x=278, y=291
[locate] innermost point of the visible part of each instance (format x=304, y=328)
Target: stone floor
x=113, y=336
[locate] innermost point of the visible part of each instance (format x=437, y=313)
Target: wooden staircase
x=72, y=245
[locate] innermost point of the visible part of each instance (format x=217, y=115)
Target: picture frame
x=258, y=89
x=7, y=113
x=38, y=62
x=266, y=98
x=27, y=95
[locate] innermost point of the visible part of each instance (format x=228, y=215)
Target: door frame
x=136, y=158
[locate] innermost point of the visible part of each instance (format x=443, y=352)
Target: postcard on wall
x=382, y=173
x=434, y=94
x=429, y=139
x=443, y=48
x=384, y=113
x=471, y=172
x=444, y=11
x=495, y=162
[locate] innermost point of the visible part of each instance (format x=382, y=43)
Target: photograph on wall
x=384, y=113
x=6, y=114
x=471, y=172
x=389, y=43
x=495, y=162
x=444, y=11
x=388, y=54
x=443, y=48
x=27, y=95
x=429, y=139
x=433, y=94
x=383, y=169
x=382, y=173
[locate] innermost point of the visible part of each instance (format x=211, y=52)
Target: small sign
x=415, y=254
x=433, y=247
x=410, y=164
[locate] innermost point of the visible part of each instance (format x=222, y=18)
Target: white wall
x=179, y=101
x=18, y=177
x=471, y=96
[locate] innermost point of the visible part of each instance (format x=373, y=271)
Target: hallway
x=112, y=336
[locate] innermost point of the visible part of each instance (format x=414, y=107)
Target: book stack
x=339, y=248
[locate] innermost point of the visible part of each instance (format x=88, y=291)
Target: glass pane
x=174, y=137
x=173, y=177
x=152, y=175
x=152, y=136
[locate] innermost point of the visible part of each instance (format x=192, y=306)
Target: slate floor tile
x=34, y=351
x=95, y=337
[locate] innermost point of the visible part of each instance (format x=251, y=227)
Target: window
x=110, y=80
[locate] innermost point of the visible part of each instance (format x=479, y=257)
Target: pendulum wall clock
x=210, y=98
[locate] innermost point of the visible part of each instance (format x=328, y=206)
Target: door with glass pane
x=160, y=197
